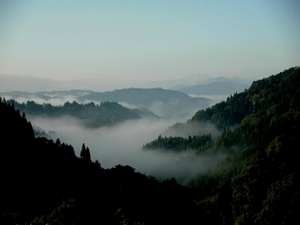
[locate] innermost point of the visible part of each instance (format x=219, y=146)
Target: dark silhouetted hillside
x=44, y=182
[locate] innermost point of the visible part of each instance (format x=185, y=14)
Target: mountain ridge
x=162, y=102
x=90, y=115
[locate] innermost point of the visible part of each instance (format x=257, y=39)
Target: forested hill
x=253, y=113
x=260, y=181
x=275, y=94
x=162, y=102
x=90, y=115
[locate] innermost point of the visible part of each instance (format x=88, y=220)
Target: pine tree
x=85, y=153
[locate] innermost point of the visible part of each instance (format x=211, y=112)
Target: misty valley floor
x=122, y=144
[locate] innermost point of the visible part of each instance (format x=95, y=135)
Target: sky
x=135, y=41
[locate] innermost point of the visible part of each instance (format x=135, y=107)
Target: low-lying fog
x=122, y=144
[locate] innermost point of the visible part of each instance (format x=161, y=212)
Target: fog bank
x=122, y=144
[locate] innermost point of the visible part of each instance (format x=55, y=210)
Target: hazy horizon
x=104, y=45
x=35, y=84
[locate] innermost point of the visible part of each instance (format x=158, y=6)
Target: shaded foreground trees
x=44, y=182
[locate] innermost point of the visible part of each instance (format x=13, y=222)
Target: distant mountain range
x=162, y=102
x=216, y=86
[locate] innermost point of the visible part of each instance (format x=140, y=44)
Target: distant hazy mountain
x=90, y=115
x=216, y=86
x=162, y=102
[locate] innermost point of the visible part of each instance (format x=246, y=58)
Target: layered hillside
x=90, y=115
x=253, y=115
x=44, y=182
x=162, y=102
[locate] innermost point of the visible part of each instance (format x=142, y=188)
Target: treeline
x=275, y=94
x=90, y=114
x=195, y=143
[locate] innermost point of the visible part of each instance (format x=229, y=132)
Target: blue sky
x=148, y=40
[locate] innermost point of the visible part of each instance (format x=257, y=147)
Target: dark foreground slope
x=260, y=182
x=43, y=182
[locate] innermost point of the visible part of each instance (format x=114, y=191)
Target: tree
x=85, y=153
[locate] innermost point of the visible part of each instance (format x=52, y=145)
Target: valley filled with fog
x=122, y=144
x=149, y=112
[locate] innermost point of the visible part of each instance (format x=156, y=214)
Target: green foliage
x=196, y=143
x=228, y=113
x=276, y=93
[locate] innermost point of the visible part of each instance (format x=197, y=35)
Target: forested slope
x=260, y=181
